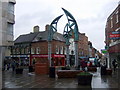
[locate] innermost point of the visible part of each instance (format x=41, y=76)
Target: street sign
x=115, y=35
x=104, y=51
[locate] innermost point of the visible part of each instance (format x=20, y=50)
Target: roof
x=38, y=36
x=44, y=36
x=26, y=37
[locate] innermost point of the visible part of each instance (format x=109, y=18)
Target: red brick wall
x=83, y=44
x=44, y=46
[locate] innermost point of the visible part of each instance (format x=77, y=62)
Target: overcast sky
x=91, y=16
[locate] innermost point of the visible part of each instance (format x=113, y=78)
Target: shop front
x=56, y=59
x=23, y=60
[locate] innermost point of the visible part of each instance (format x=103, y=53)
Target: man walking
x=114, y=63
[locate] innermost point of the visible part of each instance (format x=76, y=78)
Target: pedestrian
x=8, y=66
x=83, y=65
x=13, y=64
x=114, y=63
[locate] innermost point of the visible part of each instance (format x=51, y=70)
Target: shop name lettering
x=39, y=55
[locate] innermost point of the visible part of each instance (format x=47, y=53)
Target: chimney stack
x=36, y=28
x=47, y=27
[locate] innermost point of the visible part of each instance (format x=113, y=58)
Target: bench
x=68, y=73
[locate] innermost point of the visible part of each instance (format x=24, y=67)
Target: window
x=32, y=51
x=62, y=50
x=38, y=50
x=10, y=28
x=57, y=50
x=117, y=20
x=111, y=22
x=11, y=7
x=65, y=50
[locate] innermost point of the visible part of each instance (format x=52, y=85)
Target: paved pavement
x=30, y=80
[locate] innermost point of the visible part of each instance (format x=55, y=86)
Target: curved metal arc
x=53, y=27
x=68, y=14
x=74, y=23
x=56, y=20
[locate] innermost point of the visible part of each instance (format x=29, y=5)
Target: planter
x=19, y=70
x=92, y=69
x=84, y=78
x=65, y=68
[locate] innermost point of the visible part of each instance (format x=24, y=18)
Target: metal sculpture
x=73, y=26
x=67, y=34
x=52, y=30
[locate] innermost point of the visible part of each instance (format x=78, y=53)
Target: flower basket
x=84, y=78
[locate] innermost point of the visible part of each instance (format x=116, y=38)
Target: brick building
x=83, y=45
x=112, y=34
x=34, y=47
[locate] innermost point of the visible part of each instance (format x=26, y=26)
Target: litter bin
x=52, y=72
x=103, y=70
x=31, y=69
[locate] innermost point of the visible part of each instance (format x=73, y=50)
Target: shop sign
x=47, y=56
x=59, y=55
x=24, y=56
x=39, y=55
x=116, y=32
x=15, y=55
x=115, y=35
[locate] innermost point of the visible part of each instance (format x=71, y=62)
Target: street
x=30, y=80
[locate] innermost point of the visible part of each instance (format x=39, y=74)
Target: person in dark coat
x=83, y=64
x=13, y=64
x=114, y=63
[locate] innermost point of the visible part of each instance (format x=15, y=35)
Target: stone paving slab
x=30, y=80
